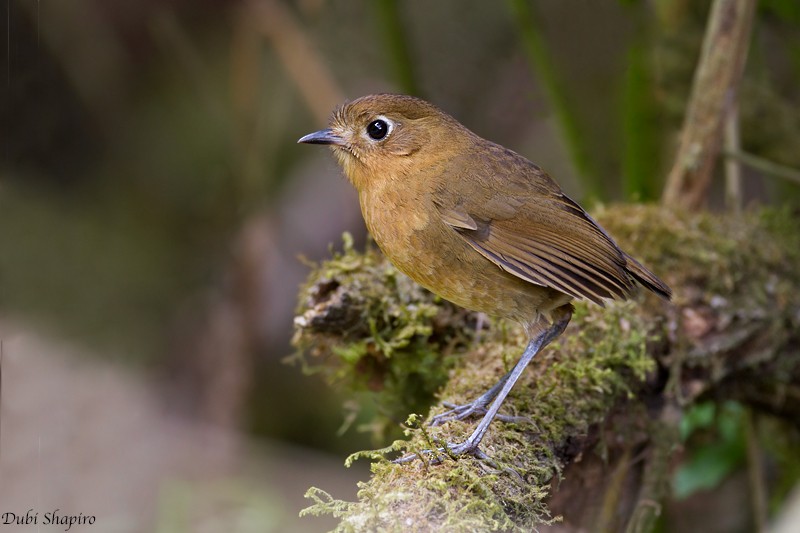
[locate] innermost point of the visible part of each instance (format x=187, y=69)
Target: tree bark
x=714, y=93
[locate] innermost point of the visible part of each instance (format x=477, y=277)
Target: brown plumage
x=476, y=223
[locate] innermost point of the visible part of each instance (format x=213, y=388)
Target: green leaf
x=699, y=416
x=708, y=466
x=712, y=461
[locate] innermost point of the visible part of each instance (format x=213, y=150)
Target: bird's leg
x=476, y=407
x=562, y=316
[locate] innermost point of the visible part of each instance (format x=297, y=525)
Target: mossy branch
x=609, y=388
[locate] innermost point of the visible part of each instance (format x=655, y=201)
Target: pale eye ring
x=378, y=129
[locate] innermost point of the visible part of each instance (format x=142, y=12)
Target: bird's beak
x=322, y=137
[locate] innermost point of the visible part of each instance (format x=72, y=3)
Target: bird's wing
x=530, y=229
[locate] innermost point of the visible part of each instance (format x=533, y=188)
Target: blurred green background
x=154, y=204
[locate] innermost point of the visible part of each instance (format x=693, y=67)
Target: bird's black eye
x=377, y=129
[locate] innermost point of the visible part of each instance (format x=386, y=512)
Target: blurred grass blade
x=542, y=65
x=642, y=139
x=397, y=45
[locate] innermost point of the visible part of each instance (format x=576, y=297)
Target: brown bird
x=477, y=224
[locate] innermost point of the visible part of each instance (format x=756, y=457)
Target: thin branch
x=755, y=471
x=713, y=91
x=655, y=482
x=733, y=170
x=305, y=66
x=766, y=166
x=614, y=492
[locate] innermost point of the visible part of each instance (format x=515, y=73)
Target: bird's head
x=387, y=136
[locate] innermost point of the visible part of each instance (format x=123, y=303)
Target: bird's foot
x=475, y=408
x=468, y=447
x=458, y=412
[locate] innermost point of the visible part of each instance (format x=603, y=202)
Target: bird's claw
x=458, y=412
x=448, y=450
x=461, y=412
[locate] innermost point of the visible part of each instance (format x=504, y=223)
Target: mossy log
x=596, y=412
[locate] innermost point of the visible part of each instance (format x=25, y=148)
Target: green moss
x=571, y=387
x=370, y=330
x=737, y=268
x=717, y=253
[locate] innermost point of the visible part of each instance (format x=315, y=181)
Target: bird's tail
x=647, y=278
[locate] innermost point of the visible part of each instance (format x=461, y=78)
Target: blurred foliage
x=716, y=441
x=642, y=143
x=786, y=10
x=719, y=447
x=535, y=45
x=397, y=45
x=780, y=441
x=229, y=506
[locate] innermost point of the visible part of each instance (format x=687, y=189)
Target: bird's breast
x=411, y=233
x=403, y=228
